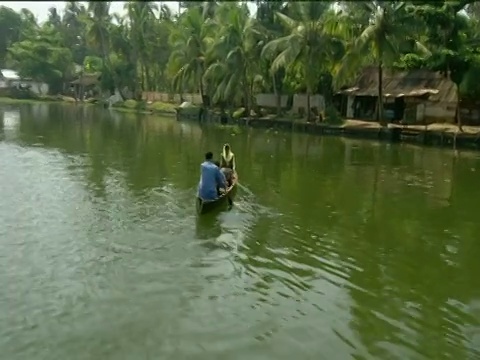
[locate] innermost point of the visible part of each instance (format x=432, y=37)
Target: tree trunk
x=457, y=111
x=202, y=93
x=308, y=103
x=106, y=61
x=134, y=61
x=157, y=77
x=278, y=97
x=380, y=117
x=202, y=88
x=247, y=102
x=250, y=97
x=142, y=76
x=149, y=78
x=246, y=93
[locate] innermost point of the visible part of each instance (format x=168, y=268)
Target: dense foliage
x=220, y=50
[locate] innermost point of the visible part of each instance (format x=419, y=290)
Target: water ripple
x=103, y=256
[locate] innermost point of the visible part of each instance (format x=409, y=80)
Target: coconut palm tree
x=142, y=17
x=308, y=46
x=158, y=48
x=235, y=55
x=54, y=18
x=269, y=23
x=97, y=31
x=75, y=29
x=98, y=34
x=379, y=41
x=190, y=39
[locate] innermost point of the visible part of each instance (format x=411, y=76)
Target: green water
x=335, y=248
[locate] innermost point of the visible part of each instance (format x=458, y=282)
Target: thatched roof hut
x=414, y=83
x=87, y=79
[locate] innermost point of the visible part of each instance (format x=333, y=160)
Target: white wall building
x=10, y=78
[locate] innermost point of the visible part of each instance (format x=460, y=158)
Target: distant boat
x=204, y=206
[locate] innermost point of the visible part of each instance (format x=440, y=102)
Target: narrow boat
x=204, y=206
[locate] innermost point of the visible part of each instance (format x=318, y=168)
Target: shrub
x=130, y=104
x=332, y=116
x=16, y=93
x=162, y=107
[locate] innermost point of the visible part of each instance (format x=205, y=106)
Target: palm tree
x=158, y=49
x=267, y=20
x=165, y=13
x=142, y=17
x=235, y=54
x=99, y=21
x=453, y=39
x=54, y=18
x=379, y=41
x=29, y=22
x=97, y=33
x=308, y=45
x=75, y=30
x=121, y=54
x=190, y=41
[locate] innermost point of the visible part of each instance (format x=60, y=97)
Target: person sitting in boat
x=211, y=179
x=227, y=172
x=227, y=158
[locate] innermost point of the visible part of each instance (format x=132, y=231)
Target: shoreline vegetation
x=157, y=107
x=285, y=62
x=435, y=134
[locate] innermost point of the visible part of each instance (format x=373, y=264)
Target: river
x=334, y=248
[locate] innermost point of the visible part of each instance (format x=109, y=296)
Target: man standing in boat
x=211, y=179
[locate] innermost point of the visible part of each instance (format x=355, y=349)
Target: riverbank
x=444, y=135
x=43, y=99
x=141, y=107
x=157, y=107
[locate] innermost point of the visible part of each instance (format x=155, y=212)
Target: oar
x=244, y=188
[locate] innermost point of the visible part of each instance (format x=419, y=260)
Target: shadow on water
x=334, y=247
x=208, y=226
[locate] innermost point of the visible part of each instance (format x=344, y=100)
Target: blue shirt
x=211, y=178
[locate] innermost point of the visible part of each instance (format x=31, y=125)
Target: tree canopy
x=220, y=50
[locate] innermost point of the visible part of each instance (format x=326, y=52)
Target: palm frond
x=286, y=21
x=422, y=49
x=288, y=56
x=274, y=47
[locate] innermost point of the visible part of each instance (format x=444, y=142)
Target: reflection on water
x=10, y=120
x=334, y=248
x=207, y=227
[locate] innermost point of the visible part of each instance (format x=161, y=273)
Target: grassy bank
x=157, y=107
x=133, y=106
x=42, y=99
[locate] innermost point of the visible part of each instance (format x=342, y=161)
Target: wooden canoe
x=204, y=206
